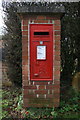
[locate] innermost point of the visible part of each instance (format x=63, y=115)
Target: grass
x=12, y=107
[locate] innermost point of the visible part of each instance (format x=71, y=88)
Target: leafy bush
x=10, y=98
x=13, y=42
x=38, y=113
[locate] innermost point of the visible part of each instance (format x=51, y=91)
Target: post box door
x=41, y=52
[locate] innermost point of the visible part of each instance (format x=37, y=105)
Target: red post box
x=41, y=52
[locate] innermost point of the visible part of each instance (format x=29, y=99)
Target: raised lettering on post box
x=41, y=52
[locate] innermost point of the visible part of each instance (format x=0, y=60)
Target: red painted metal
x=41, y=52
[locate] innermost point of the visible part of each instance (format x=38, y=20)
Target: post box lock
x=36, y=74
x=41, y=42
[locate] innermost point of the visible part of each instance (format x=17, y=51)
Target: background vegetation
x=70, y=50
x=12, y=105
x=69, y=42
x=13, y=42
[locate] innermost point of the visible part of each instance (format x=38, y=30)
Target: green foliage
x=5, y=114
x=12, y=41
x=12, y=105
x=10, y=99
x=70, y=60
x=54, y=113
x=20, y=103
x=37, y=113
x=70, y=108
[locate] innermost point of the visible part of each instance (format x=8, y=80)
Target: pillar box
x=41, y=34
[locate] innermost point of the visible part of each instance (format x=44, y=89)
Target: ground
x=12, y=105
